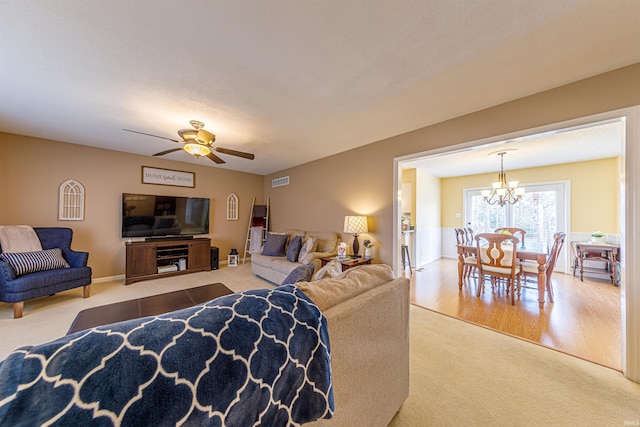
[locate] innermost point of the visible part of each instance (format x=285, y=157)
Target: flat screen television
x=145, y=215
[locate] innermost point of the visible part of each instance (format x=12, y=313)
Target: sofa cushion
x=294, y=249
x=299, y=274
x=274, y=244
x=281, y=265
x=326, y=241
x=29, y=262
x=308, y=246
x=328, y=292
x=293, y=233
x=331, y=269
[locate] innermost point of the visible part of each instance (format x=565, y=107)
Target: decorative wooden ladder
x=259, y=218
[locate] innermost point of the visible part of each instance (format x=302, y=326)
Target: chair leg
x=86, y=291
x=17, y=309
x=511, y=285
x=480, y=284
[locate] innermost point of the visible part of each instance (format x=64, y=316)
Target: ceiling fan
x=198, y=142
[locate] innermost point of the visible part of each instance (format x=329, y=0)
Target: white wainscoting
x=427, y=246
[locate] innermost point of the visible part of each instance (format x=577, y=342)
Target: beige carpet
x=461, y=374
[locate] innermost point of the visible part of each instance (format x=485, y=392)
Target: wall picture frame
x=159, y=176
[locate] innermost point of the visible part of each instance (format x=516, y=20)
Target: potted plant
x=367, y=248
x=597, y=237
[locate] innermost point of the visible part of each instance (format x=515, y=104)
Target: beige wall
x=33, y=169
x=361, y=180
x=595, y=189
x=409, y=177
x=320, y=193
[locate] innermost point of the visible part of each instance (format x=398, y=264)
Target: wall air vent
x=279, y=182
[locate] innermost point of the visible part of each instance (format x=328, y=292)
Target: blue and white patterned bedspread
x=260, y=357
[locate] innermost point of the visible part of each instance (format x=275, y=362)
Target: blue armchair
x=17, y=289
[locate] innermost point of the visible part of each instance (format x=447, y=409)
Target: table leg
x=614, y=273
x=460, y=269
x=542, y=282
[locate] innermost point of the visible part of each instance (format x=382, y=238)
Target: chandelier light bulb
x=504, y=192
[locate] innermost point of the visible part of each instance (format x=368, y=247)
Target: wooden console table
x=605, y=253
x=147, y=260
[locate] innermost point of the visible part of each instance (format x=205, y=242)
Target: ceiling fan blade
x=235, y=153
x=215, y=158
x=148, y=134
x=162, y=153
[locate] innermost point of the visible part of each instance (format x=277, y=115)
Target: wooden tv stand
x=145, y=258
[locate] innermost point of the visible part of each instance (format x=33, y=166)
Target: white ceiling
x=291, y=81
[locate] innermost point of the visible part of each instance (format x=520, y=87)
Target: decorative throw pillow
x=29, y=262
x=294, y=249
x=274, y=244
x=299, y=274
x=308, y=246
x=331, y=269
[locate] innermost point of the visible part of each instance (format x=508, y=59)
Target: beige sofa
x=367, y=313
x=276, y=268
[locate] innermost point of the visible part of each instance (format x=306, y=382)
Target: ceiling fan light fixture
x=204, y=137
x=188, y=135
x=197, y=149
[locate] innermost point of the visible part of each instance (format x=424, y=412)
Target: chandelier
x=504, y=192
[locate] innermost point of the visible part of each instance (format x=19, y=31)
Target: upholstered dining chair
x=470, y=261
x=518, y=232
x=497, y=259
x=529, y=270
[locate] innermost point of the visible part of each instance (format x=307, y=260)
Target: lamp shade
x=355, y=224
x=196, y=149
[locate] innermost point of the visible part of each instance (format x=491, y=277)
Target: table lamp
x=355, y=225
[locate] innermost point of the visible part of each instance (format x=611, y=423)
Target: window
x=541, y=212
x=71, y=205
x=232, y=207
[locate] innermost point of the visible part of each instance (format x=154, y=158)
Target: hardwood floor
x=584, y=321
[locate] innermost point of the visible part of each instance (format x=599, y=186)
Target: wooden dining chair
x=497, y=259
x=529, y=270
x=470, y=261
x=468, y=232
x=518, y=232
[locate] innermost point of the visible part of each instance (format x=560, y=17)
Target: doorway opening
x=627, y=120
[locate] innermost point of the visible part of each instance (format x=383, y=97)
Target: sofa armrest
x=369, y=355
x=312, y=257
x=7, y=272
x=76, y=258
x=318, y=255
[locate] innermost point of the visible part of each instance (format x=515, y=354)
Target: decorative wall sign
x=232, y=207
x=71, y=202
x=168, y=177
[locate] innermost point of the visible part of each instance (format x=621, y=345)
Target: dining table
x=531, y=252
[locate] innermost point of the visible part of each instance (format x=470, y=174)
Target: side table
x=348, y=262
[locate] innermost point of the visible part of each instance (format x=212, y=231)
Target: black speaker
x=215, y=263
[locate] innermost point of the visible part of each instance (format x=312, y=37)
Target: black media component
x=215, y=262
